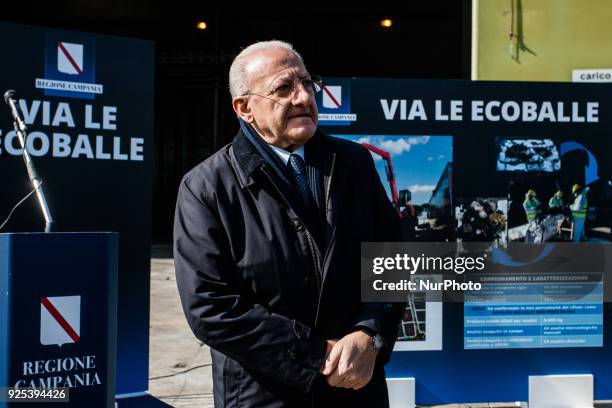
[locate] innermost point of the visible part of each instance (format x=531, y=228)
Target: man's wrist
x=377, y=341
x=370, y=332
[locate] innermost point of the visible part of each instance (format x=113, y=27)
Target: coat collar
x=250, y=160
x=320, y=155
x=319, y=152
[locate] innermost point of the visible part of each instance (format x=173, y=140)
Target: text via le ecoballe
x=68, y=133
x=490, y=111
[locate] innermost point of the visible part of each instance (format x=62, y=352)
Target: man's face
x=284, y=118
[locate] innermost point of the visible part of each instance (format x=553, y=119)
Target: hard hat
x=575, y=188
x=531, y=193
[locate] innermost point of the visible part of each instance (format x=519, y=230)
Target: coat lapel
x=320, y=155
x=324, y=159
x=251, y=163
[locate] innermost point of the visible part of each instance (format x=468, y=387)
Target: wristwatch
x=377, y=340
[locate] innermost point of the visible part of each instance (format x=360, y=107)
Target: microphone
x=10, y=97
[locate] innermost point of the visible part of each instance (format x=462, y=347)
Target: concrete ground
x=179, y=364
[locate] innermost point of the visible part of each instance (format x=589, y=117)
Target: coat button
x=297, y=224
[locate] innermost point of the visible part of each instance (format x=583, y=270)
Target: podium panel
x=58, y=308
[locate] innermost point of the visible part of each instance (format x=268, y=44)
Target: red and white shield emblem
x=60, y=320
x=70, y=58
x=332, y=96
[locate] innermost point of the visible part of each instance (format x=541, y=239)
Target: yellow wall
x=552, y=37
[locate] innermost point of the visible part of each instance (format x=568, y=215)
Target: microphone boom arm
x=35, y=180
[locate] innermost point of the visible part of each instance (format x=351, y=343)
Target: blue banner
x=87, y=100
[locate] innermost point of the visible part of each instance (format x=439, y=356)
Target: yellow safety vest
x=555, y=202
x=530, y=207
x=580, y=206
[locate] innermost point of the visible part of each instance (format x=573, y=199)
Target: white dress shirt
x=284, y=154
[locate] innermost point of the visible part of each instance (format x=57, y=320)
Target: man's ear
x=242, y=108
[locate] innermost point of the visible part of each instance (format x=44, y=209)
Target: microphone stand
x=35, y=180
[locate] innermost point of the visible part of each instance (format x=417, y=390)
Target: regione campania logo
x=70, y=66
x=334, y=103
x=60, y=320
x=70, y=58
x=332, y=96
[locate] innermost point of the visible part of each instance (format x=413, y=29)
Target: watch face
x=377, y=341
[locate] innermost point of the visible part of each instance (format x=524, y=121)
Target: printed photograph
x=481, y=220
x=557, y=190
x=527, y=155
x=416, y=172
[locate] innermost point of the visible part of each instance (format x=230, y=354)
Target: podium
x=58, y=310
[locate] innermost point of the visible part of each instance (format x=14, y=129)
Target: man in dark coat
x=267, y=238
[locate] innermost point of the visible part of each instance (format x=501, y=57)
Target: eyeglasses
x=312, y=84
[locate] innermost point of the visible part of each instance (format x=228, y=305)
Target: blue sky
x=418, y=160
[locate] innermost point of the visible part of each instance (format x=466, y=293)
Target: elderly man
x=267, y=240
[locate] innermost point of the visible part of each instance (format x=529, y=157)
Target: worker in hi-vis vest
x=579, y=212
x=556, y=201
x=532, y=207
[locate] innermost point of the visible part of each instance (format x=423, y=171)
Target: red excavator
x=403, y=198
x=412, y=326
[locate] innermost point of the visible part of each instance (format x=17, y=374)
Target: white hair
x=237, y=81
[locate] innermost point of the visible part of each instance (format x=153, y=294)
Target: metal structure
x=386, y=156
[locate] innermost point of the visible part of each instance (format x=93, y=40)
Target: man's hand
x=351, y=361
x=330, y=346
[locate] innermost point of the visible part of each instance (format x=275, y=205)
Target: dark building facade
x=193, y=115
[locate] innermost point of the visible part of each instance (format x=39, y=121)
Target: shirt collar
x=284, y=154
